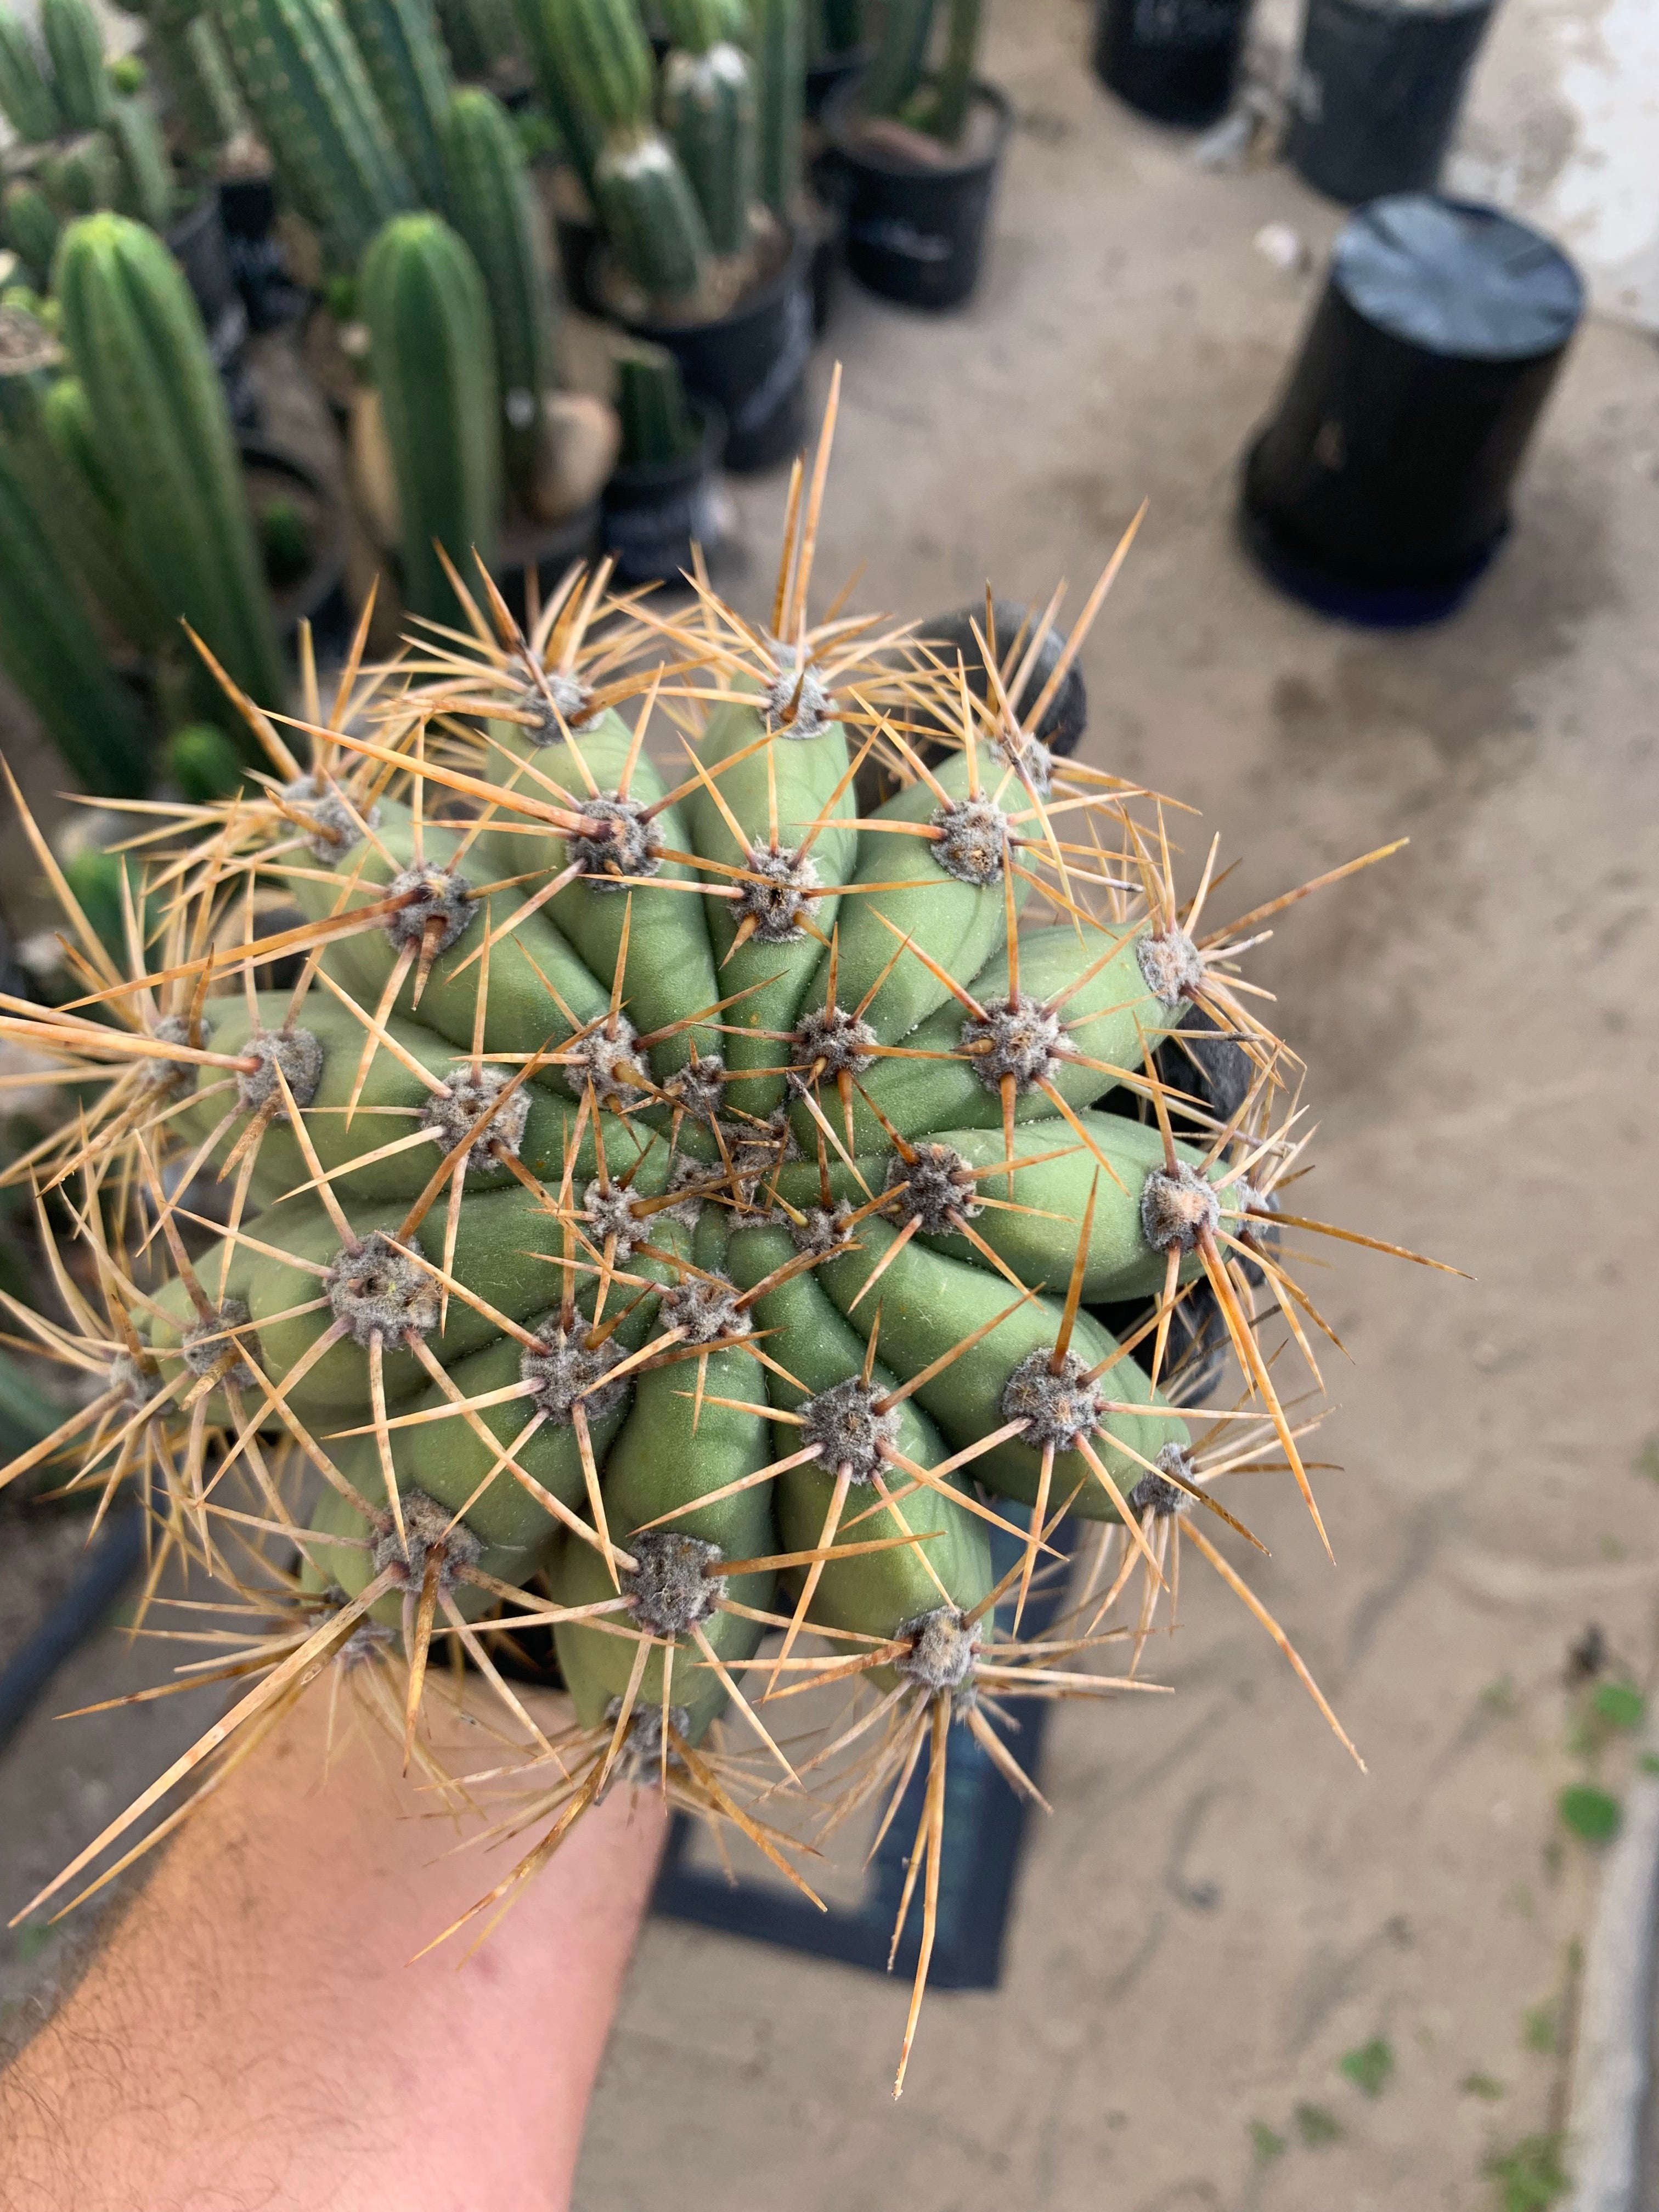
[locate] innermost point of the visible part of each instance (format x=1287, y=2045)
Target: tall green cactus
x=777, y=40
x=146, y=188
x=896, y=81
x=579, y=131
x=434, y=361
x=161, y=423
x=639, y=190
x=26, y=97
x=489, y=196
x=656, y=423
x=76, y=45
x=482, y=35
x=711, y=110
x=28, y=225
x=81, y=175
x=901, y=56
x=304, y=80
x=409, y=70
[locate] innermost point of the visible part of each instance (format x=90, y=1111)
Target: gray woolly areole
x=844, y=1423
x=300, y=1056
x=565, y=1370
x=669, y=1587
x=335, y=829
x=165, y=1077
x=943, y=1648
x=427, y=1527
x=1057, y=1409
x=608, y=1214
x=973, y=837
x=1018, y=1036
x=451, y=1112
x=565, y=695
x=434, y=896
x=210, y=1341
x=377, y=1289
x=776, y=903
x=1162, y=1496
x=632, y=847
x=1177, y=1207
x=1169, y=964
x=833, y=1043
x=938, y=1188
x=699, y=1086
x=705, y=1307
x=824, y=1229
x=797, y=703
x=640, y=1761
x=598, y=1057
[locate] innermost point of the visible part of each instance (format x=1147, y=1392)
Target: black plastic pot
x=578, y=239
x=197, y=243
x=915, y=230
x=1175, y=60
x=319, y=596
x=247, y=212
x=752, y=362
x=1377, y=93
x=549, y=548
x=652, y=515
x=1067, y=715
x=1381, y=489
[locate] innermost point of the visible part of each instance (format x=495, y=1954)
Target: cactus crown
x=596, y=1259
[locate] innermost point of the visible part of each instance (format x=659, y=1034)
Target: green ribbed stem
x=304, y=80
x=146, y=172
x=408, y=69
x=76, y=45
x=711, y=114
x=953, y=89
x=491, y=196
x=29, y=226
x=481, y=35
x=656, y=424
x=900, y=59
x=778, y=42
x=604, y=57
x=651, y=216
x=206, y=103
x=55, y=657
x=84, y=175
x=549, y=65
x=161, y=424
x=434, y=359
x=26, y=98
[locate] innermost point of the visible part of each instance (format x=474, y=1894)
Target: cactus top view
x=614, y=1145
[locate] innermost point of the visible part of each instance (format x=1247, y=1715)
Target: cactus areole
x=660, y=1203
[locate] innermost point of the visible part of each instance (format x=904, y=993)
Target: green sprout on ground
x=1538, y=2027
x=1481, y=2085
x=1530, y=2178
x=1266, y=2145
x=1590, y=1811
x=1316, y=2126
x=1370, y=2067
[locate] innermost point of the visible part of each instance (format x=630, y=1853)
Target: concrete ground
x=1221, y=1906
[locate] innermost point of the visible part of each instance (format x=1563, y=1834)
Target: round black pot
x=1175, y=60
x=825, y=78
x=1377, y=93
x=752, y=362
x=1067, y=715
x=319, y=596
x=579, y=248
x=915, y=233
x=1381, y=489
x=197, y=243
x=549, y=548
x=247, y=213
x=652, y=514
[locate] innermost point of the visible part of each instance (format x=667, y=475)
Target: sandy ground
x=1222, y=1907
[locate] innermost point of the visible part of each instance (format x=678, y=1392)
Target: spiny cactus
x=409, y=70
x=28, y=224
x=146, y=190
x=777, y=38
x=483, y=37
x=711, y=110
x=304, y=80
x=434, y=359
x=491, y=200
x=162, y=426
x=81, y=175
x=639, y=190
x=663, y=1212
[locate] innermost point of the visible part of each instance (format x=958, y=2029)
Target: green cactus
x=160, y=422
x=204, y=762
x=834, y=28
x=409, y=70
x=305, y=82
x=76, y=45
x=656, y=423
x=895, y=70
x=580, y=134
x=207, y=108
x=711, y=111
x=898, y=83
x=147, y=188
x=777, y=40
x=81, y=175
x=26, y=97
x=28, y=225
x=482, y=36
x=434, y=359
x=491, y=197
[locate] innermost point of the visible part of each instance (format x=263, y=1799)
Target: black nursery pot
x=196, y=242
x=751, y=363
x=1175, y=60
x=578, y=237
x=1377, y=93
x=652, y=514
x=319, y=596
x=825, y=78
x=1381, y=489
x=915, y=231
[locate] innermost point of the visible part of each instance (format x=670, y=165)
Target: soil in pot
x=917, y=210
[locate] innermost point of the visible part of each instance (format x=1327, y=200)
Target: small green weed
x=1621, y=1704
x=1538, y=2027
x=1590, y=1811
x=1265, y=2144
x=1481, y=2085
x=1530, y=2178
x=1370, y=2067
x=1316, y=2126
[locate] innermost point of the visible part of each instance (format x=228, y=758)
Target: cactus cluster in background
x=657, y=429
x=899, y=83
x=664, y=1208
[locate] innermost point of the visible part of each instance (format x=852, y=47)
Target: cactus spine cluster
x=433, y=359
x=669, y=1213
x=490, y=199
x=162, y=427
x=309, y=91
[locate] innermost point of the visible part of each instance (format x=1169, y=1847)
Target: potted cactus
x=693, y=258
x=662, y=500
x=919, y=148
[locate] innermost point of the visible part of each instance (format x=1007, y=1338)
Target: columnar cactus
x=898, y=82
x=146, y=190
x=491, y=197
x=432, y=355
x=664, y=1212
x=76, y=48
x=159, y=420
x=306, y=84
x=777, y=38
x=409, y=70
x=711, y=110
x=26, y=97
x=639, y=190
x=656, y=423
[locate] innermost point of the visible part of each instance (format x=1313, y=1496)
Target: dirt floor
x=1222, y=1909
